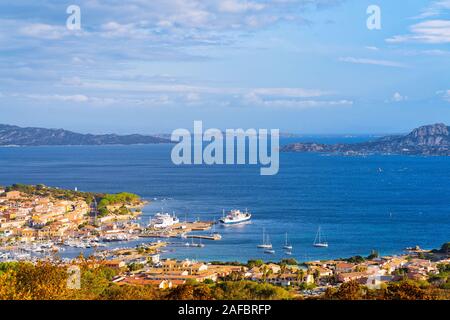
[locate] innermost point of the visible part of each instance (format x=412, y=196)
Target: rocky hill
x=13, y=135
x=426, y=140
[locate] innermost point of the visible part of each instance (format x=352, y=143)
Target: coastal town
x=43, y=220
x=310, y=279
x=38, y=223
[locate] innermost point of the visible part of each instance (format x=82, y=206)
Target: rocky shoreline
x=431, y=140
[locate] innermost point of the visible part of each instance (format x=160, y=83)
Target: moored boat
x=318, y=243
x=287, y=246
x=236, y=217
x=266, y=242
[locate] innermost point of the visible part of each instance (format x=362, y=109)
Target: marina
x=356, y=220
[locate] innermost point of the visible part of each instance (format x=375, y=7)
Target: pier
x=213, y=237
x=182, y=230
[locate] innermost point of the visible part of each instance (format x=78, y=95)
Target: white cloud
x=289, y=92
x=431, y=31
x=144, y=94
x=64, y=98
x=46, y=31
x=255, y=100
x=435, y=9
x=397, y=97
x=385, y=63
x=180, y=88
x=436, y=52
x=291, y=98
x=447, y=95
x=236, y=6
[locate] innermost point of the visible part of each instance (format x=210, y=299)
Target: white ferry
x=163, y=221
x=236, y=217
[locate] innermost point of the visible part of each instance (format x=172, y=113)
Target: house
x=285, y=279
x=425, y=266
x=154, y=258
x=197, y=268
x=351, y=276
x=184, y=265
x=115, y=264
x=321, y=271
x=393, y=264
x=274, y=268
x=344, y=267
x=13, y=195
x=223, y=271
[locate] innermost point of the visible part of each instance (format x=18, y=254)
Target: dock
x=182, y=230
x=214, y=237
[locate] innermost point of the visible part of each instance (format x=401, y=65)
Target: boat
x=199, y=245
x=269, y=251
x=318, y=243
x=266, y=242
x=183, y=235
x=287, y=246
x=163, y=220
x=235, y=217
x=288, y=253
x=214, y=234
x=194, y=245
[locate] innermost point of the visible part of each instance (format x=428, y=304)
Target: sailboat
x=287, y=246
x=318, y=241
x=193, y=244
x=268, y=249
x=214, y=233
x=265, y=243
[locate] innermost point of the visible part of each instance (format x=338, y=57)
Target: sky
x=152, y=66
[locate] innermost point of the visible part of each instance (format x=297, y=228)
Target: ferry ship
x=236, y=217
x=163, y=220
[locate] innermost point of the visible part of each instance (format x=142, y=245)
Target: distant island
x=18, y=136
x=430, y=140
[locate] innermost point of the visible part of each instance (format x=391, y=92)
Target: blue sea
x=383, y=203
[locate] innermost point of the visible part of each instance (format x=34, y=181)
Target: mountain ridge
x=35, y=136
x=426, y=140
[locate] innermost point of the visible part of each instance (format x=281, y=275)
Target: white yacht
x=266, y=241
x=287, y=246
x=318, y=242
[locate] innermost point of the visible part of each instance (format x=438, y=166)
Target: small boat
x=183, y=235
x=288, y=253
x=318, y=243
x=269, y=251
x=287, y=246
x=214, y=234
x=195, y=245
x=266, y=242
x=235, y=217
